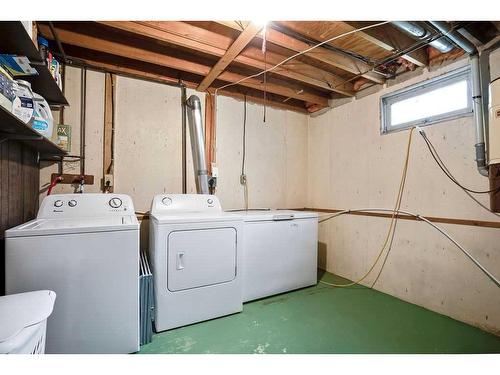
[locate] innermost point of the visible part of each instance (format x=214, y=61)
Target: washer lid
x=40, y=227
x=18, y=311
x=275, y=215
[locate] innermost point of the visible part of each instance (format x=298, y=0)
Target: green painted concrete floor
x=322, y=319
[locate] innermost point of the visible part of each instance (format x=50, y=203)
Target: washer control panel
x=84, y=205
x=115, y=202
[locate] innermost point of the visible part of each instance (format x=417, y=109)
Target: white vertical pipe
x=477, y=105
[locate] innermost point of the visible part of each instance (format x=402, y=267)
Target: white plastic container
x=23, y=106
x=42, y=120
x=23, y=321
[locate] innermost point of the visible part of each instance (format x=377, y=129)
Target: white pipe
x=424, y=219
x=477, y=100
x=479, y=119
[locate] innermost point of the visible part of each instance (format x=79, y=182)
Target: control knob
x=115, y=202
x=167, y=201
x=72, y=203
x=58, y=203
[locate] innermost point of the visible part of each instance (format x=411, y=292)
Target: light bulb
x=262, y=24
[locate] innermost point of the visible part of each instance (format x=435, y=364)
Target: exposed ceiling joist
x=389, y=38
x=299, y=71
x=258, y=100
x=241, y=42
x=323, y=55
x=196, y=38
x=140, y=74
x=133, y=72
x=123, y=50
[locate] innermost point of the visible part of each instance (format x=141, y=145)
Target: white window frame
x=387, y=100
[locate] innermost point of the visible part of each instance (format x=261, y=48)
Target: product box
x=6, y=90
x=17, y=65
x=63, y=137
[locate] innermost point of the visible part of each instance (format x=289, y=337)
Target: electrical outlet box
x=243, y=179
x=109, y=180
x=215, y=170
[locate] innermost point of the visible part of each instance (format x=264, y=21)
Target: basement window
x=439, y=99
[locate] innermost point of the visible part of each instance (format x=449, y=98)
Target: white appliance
x=279, y=252
x=23, y=321
x=494, y=123
x=85, y=247
x=195, y=251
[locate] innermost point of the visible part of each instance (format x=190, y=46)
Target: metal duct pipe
x=197, y=144
x=456, y=37
x=443, y=45
x=477, y=105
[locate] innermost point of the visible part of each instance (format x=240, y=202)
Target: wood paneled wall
x=19, y=181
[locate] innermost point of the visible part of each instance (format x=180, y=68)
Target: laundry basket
x=23, y=321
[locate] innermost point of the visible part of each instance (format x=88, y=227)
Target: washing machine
x=280, y=252
x=85, y=247
x=195, y=249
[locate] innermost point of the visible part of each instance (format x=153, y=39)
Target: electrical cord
x=427, y=221
x=243, y=176
x=301, y=53
x=394, y=217
x=446, y=171
x=465, y=191
x=389, y=249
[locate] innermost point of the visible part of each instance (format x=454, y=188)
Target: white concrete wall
x=276, y=156
x=148, y=148
x=148, y=141
x=93, y=131
x=352, y=166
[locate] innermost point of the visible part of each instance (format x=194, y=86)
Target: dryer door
x=198, y=258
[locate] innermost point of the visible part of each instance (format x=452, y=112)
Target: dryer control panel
x=85, y=205
x=185, y=203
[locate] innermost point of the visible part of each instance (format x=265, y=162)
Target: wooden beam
x=299, y=71
x=108, y=162
x=153, y=77
x=123, y=50
x=198, y=39
x=259, y=100
x=210, y=130
x=241, y=42
x=132, y=72
x=326, y=56
x=391, y=39
x=434, y=219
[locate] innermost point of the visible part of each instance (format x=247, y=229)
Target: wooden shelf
x=13, y=128
x=15, y=40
